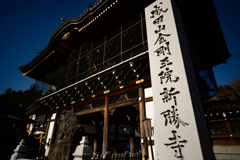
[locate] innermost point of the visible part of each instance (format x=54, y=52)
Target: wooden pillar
x=132, y=137
x=46, y=132
x=72, y=109
x=116, y=137
x=54, y=129
x=95, y=142
x=132, y=133
x=95, y=147
x=229, y=130
x=142, y=116
x=105, y=126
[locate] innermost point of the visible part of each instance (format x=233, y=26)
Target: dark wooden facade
x=223, y=117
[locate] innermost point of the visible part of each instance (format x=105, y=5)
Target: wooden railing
x=118, y=156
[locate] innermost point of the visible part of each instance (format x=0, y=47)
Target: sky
x=26, y=27
x=228, y=14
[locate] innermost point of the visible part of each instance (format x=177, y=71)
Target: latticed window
x=74, y=55
x=235, y=125
x=83, y=64
x=85, y=49
x=65, y=63
x=72, y=70
x=97, y=57
x=63, y=75
x=132, y=37
x=112, y=49
x=217, y=128
x=55, y=78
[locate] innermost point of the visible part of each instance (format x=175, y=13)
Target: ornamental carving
x=69, y=127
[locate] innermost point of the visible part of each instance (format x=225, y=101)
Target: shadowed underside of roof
x=219, y=106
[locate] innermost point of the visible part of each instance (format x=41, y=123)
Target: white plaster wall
x=150, y=152
x=148, y=92
x=30, y=128
x=31, y=125
x=50, y=130
x=149, y=114
x=149, y=105
x=53, y=116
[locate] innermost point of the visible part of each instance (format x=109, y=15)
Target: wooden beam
x=89, y=111
x=149, y=99
x=124, y=103
x=111, y=106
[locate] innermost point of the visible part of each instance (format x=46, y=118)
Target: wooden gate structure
x=98, y=67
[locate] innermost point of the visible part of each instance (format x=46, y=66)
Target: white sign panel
x=176, y=100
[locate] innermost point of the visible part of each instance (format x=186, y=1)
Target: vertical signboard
x=180, y=129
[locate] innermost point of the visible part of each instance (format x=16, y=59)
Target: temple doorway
x=123, y=129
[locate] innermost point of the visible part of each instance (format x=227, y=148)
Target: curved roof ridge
x=65, y=23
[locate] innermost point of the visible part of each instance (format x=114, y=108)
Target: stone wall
x=227, y=152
